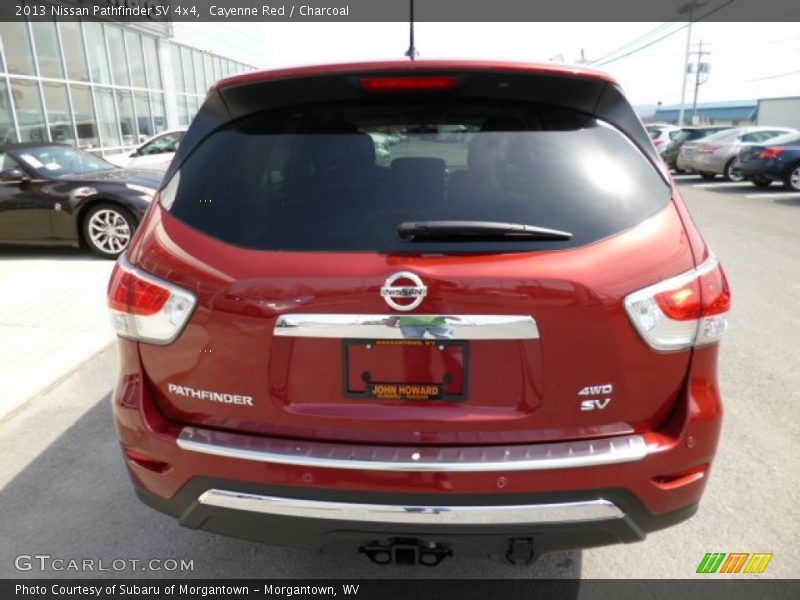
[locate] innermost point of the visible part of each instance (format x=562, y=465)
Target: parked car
x=662, y=134
x=777, y=161
x=54, y=194
x=669, y=153
x=454, y=353
x=716, y=154
x=156, y=153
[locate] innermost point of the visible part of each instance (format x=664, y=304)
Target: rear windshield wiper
x=476, y=230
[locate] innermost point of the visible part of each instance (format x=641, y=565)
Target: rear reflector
x=400, y=84
x=683, y=311
x=145, y=308
x=707, y=149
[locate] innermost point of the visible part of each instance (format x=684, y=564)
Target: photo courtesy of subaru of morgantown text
x=364, y=314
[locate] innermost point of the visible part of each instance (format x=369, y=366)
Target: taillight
x=145, y=308
x=401, y=84
x=708, y=149
x=659, y=143
x=768, y=153
x=687, y=310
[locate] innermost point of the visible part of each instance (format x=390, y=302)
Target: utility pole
x=689, y=7
x=700, y=68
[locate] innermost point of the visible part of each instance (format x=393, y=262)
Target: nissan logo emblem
x=415, y=292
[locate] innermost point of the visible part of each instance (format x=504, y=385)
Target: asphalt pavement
x=65, y=492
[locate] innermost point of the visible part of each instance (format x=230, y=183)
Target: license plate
x=409, y=369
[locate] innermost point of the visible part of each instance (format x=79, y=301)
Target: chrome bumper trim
x=527, y=457
x=509, y=514
x=458, y=327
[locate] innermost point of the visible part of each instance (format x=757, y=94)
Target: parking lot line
x=722, y=184
x=768, y=195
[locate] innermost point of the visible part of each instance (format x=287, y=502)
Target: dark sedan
x=669, y=153
x=777, y=161
x=53, y=194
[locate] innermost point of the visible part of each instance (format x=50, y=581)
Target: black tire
x=708, y=176
x=761, y=182
x=108, y=229
x=792, y=179
x=732, y=174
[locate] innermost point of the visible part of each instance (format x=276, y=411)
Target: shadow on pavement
x=9, y=252
x=74, y=501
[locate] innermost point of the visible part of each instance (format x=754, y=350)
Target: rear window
x=344, y=177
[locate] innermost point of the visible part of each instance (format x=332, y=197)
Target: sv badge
x=596, y=390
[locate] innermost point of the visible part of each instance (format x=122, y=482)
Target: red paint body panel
x=520, y=391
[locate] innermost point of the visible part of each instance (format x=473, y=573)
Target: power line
x=681, y=28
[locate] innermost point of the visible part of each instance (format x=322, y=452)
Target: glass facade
x=102, y=86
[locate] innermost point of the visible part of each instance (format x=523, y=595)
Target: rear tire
x=731, y=173
x=108, y=229
x=792, y=179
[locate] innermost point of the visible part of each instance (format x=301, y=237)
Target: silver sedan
x=716, y=154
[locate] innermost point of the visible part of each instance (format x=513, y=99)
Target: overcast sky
x=748, y=60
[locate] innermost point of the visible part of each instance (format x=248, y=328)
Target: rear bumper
x=475, y=526
x=575, y=494
x=759, y=168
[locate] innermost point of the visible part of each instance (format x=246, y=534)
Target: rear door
x=335, y=326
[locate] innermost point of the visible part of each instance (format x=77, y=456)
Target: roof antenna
x=412, y=51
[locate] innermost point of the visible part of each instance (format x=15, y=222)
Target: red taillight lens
x=704, y=296
x=768, y=153
x=708, y=149
x=402, y=84
x=145, y=308
x=130, y=294
x=659, y=143
x=687, y=310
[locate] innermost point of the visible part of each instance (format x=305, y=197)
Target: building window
x=159, y=112
x=56, y=103
x=72, y=42
x=107, y=118
x=96, y=49
x=136, y=59
x=152, y=63
x=142, y=104
x=17, y=48
x=48, y=53
x=177, y=69
x=30, y=116
x=8, y=134
x=85, y=121
x=127, y=119
x=188, y=69
x=199, y=74
x=119, y=62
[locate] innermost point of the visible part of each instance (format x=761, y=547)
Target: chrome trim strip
x=526, y=457
x=507, y=514
x=359, y=326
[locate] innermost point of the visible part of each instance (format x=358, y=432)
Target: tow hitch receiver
x=520, y=551
x=406, y=551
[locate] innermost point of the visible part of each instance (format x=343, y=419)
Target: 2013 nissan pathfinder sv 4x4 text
x=419, y=309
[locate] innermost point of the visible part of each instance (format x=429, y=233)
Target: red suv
x=416, y=309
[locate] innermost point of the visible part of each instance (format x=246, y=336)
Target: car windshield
x=61, y=161
x=344, y=177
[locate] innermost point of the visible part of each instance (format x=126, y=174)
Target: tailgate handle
x=368, y=327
